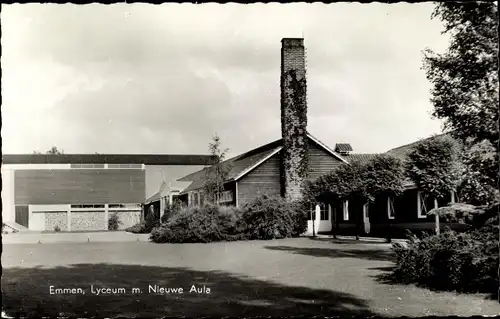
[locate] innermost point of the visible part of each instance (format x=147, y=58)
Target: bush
x=170, y=211
x=114, y=222
x=201, y=224
x=139, y=228
x=264, y=218
x=57, y=228
x=273, y=217
x=465, y=262
x=150, y=222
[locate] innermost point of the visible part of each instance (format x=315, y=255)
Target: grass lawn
x=262, y=278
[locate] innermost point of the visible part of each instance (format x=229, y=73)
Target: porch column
x=106, y=217
x=162, y=206
x=317, y=218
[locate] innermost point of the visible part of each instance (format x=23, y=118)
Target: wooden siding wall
x=82, y=186
x=263, y=180
x=320, y=161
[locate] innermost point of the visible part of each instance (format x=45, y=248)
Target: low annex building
x=280, y=167
x=78, y=192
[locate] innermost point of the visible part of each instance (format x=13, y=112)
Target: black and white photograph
x=250, y=160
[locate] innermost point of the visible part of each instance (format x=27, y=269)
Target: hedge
x=264, y=218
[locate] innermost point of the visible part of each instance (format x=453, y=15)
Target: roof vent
x=343, y=148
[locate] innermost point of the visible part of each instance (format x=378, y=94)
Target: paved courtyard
x=268, y=278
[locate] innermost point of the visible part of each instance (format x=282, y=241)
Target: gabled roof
x=246, y=162
x=238, y=164
x=154, y=198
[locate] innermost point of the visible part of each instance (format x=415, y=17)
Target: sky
x=163, y=79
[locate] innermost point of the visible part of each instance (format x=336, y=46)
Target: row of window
x=322, y=209
x=222, y=197
x=424, y=205
x=102, y=206
x=136, y=166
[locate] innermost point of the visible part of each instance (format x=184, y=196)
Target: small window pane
x=324, y=214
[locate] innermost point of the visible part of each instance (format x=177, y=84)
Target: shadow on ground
x=343, y=252
x=385, y=276
x=25, y=292
x=349, y=241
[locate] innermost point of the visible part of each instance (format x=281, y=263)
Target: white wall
x=8, y=203
x=37, y=214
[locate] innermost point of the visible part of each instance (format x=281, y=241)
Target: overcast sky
x=140, y=78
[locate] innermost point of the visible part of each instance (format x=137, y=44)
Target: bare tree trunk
x=389, y=219
x=314, y=230
x=437, y=218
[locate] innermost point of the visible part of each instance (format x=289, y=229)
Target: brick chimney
x=293, y=117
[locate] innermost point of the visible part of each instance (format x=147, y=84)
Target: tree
x=465, y=77
x=434, y=165
x=360, y=181
x=478, y=186
x=52, y=151
x=465, y=90
x=218, y=173
x=55, y=151
x=384, y=177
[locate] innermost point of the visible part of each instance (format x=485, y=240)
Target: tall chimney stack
x=293, y=117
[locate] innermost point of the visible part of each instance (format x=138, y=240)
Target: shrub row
x=264, y=218
x=465, y=262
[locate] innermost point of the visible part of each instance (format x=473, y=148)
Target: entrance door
x=319, y=218
x=325, y=224
x=366, y=218
x=22, y=215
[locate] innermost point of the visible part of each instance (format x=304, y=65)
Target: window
x=196, y=198
x=126, y=206
x=88, y=206
x=391, y=213
x=87, y=165
x=224, y=197
x=345, y=209
x=424, y=204
x=323, y=212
